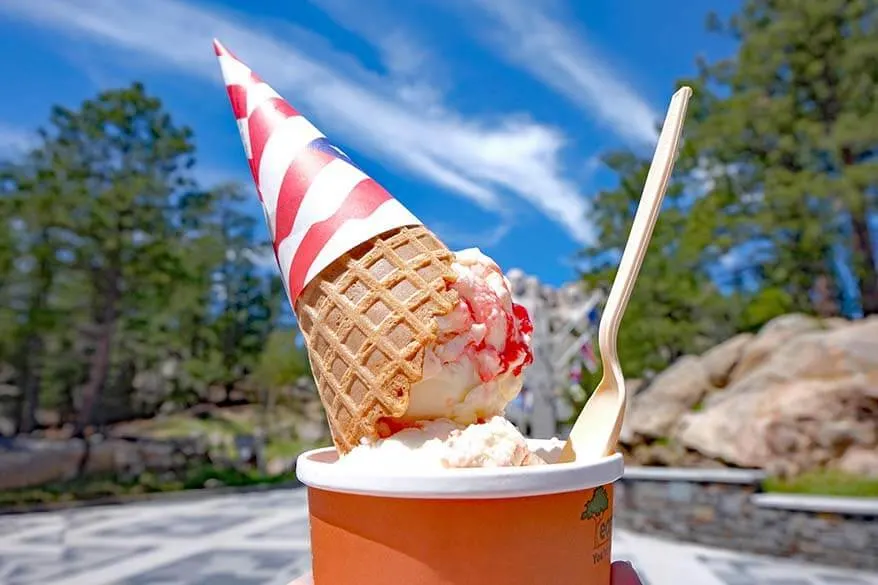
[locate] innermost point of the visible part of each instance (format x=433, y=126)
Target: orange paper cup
x=547, y=524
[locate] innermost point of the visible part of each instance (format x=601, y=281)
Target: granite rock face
x=656, y=411
x=798, y=396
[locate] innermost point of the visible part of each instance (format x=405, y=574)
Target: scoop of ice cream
x=474, y=369
x=443, y=443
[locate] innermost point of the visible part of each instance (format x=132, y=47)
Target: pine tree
x=114, y=262
x=36, y=256
x=125, y=165
x=677, y=307
x=794, y=117
x=247, y=300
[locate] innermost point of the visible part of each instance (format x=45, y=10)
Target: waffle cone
x=367, y=320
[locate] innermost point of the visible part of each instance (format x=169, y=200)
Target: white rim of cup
x=317, y=469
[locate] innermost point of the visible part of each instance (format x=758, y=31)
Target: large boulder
x=38, y=461
x=772, y=336
x=859, y=461
x=719, y=361
x=655, y=411
x=810, y=402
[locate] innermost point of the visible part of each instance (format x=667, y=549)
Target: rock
x=626, y=435
x=654, y=412
x=859, y=461
x=835, y=323
x=280, y=466
x=803, y=406
x=168, y=408
x=9, y=392
x=170, y=368
x=634, y=386
x=48, y=418
x=667, y=454
x=7, y=373
x=719, y=361
x=819, y=354
x=148, y=387
x=800, y=395
x=312, y=431
x=842, y=434
x=313, y=410
x=774, y=334
x=38, y=461
x=790, y=324
x=655, y=456
x=782, y=429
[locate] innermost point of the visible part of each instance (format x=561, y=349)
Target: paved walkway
x=262, y=539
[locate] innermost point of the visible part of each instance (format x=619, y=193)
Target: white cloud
x=398, y=47
x=262, y=257
x=456, y=237
x=16, y=141
x=401, y=53
x=526, y=34
x=413, y=70
x=473, y=158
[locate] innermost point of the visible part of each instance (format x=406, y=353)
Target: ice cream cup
x=531, y=525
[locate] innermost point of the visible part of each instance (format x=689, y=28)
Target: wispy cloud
x=411, y=66
x=15, y=141
x=463, y=238
x=398, y=46
x=262, y=257
x=530, y=35
x=474, y=158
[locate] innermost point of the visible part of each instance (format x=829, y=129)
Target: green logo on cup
x=597, y=505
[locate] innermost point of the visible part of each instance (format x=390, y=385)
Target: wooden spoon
x=596, y=430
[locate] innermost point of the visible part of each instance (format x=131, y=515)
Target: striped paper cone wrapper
x=317, y=203
x=364, y=277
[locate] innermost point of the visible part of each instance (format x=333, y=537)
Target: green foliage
x=763, y=306
x=676, y=307
x=793, y=115
x=778, y=171
x=826, y=482
x=118, y=271
x=282, y=363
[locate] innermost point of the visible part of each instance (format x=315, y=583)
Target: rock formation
x=800, y=395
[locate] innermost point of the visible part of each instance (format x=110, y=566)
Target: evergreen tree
x=113, y=262
x=793, y=116
x=121, y=165
x=677, y=307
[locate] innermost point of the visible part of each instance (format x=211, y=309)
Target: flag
x=589, y=359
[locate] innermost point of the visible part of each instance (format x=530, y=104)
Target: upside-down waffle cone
x=367, y=320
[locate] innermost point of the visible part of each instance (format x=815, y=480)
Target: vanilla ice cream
x=443, y=443
x=484, y=344
x=454, y=417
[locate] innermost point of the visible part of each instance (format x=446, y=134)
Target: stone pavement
x=261, y=538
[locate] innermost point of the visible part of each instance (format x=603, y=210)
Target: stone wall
x=26, y=462
x=725, y=508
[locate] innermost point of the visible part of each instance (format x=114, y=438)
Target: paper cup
x=509, y=526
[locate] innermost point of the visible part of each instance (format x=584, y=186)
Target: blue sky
x=485, y=117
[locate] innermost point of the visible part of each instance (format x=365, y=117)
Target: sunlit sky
x=485, y=117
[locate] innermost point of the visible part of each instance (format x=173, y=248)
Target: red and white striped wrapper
x=317, y=203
